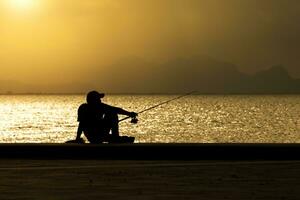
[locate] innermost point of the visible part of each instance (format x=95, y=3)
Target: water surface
x=196, y=119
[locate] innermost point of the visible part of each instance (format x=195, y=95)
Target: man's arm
x=79, y=132
x=125, y=112
x=121, y=111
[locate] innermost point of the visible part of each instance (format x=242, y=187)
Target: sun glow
x=22, y=5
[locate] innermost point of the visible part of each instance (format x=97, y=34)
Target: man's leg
x=94, y=135
x=112, y=123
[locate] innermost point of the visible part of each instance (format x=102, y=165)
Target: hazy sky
x=63, y=40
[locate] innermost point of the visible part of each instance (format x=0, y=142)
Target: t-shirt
x=89, y=113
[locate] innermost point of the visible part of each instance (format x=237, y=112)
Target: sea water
x=192, y=119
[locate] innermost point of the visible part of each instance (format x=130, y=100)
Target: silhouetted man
x=97, y=119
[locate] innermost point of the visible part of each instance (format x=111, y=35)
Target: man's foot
x=79, y=141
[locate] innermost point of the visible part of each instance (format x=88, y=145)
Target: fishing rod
x=135, y=120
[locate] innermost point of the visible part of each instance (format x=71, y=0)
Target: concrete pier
x=158, y=151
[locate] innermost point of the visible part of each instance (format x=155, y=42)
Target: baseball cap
x=94, y=95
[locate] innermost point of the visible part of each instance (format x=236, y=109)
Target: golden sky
x=63, y=41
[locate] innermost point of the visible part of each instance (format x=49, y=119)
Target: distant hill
x=201, y=73
x=9, y=86
x=273, y=80
x=204, y=74
x=15, y=87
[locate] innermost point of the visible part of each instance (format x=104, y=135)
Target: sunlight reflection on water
x=200, y=119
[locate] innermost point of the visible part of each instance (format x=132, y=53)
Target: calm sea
x=196, y=119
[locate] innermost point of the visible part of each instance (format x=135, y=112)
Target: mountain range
x=203, y=74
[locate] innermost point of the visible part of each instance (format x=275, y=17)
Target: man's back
x=89, y=113
x=91, y=122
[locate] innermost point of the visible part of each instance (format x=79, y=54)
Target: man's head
x=94, y=97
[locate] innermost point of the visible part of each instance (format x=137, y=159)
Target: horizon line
x=137, y=93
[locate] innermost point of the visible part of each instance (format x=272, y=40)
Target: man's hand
x=134, y=119
x=133, y=114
